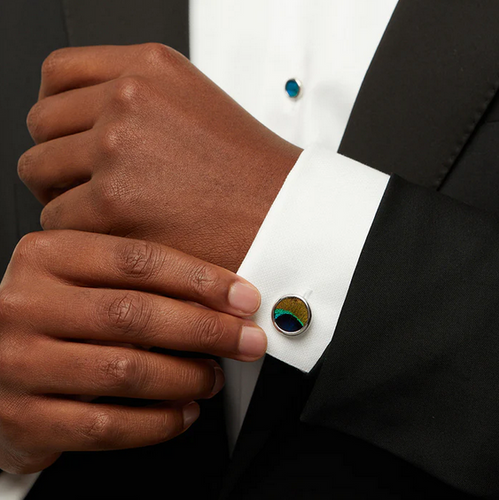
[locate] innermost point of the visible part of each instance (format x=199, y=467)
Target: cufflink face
x=291, y=315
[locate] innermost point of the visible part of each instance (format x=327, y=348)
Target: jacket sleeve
x=413, y=366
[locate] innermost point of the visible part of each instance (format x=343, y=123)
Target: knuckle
x=203, y=279
x=47, y=218
x=53, y=62
x=11, y=305
x=28, y=242
x=25, y=250
x=129, y=90
x=25, y=168
x=30, y=247
x=139, y=260
x=130, y=313
x=98, y=429
x=210, y=330
x=112, y=139
x=158, y=54
x=35, y=120
x=51, y=216
x=117, y=372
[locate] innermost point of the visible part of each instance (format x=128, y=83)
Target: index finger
x=76, y=67
x=98, y=260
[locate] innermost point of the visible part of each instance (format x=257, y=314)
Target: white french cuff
x=309, y=245
x=16, y=486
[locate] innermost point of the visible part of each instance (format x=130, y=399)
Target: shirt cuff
x=16, y=486
x=309, y=245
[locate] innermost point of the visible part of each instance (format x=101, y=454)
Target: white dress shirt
x=311, y=239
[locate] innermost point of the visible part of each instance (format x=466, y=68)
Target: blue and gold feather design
x=291, y=314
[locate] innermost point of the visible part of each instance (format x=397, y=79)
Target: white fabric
x=309, y=245
x=251, y=49
x=328, y=202
x=15, y=486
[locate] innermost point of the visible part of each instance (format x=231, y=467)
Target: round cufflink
x=291, y=315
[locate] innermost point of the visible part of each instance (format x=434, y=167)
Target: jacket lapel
x=433, y=76
x=122, y=22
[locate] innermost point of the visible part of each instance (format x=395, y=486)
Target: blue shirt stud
x=291, y=315
x=293, y=88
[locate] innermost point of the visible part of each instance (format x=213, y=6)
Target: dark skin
x=74, y=307
x=135, y=141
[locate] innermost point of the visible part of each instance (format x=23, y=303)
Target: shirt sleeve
x=309, y=245
x=16, y=486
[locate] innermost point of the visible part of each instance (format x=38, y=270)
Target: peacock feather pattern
x=291, y=314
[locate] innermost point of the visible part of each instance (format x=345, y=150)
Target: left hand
x=135, y=141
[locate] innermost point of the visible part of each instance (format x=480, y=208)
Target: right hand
x=64, y=293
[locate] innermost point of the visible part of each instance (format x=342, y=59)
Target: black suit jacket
x=404, y=402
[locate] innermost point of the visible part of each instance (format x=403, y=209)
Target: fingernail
x=253, y=342
x=190, y=413
x=219, y=381
x=244, y=297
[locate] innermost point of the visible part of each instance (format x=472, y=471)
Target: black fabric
x=419, y=365
x=474, y=178
x=124, y=22
x=433, y=76
x=29, y=31
x=402, y=404
x=302, y=461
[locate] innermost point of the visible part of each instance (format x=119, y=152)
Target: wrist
x=272, y=170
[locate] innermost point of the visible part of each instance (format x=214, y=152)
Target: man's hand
x=135, y=141
x=66, y=291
